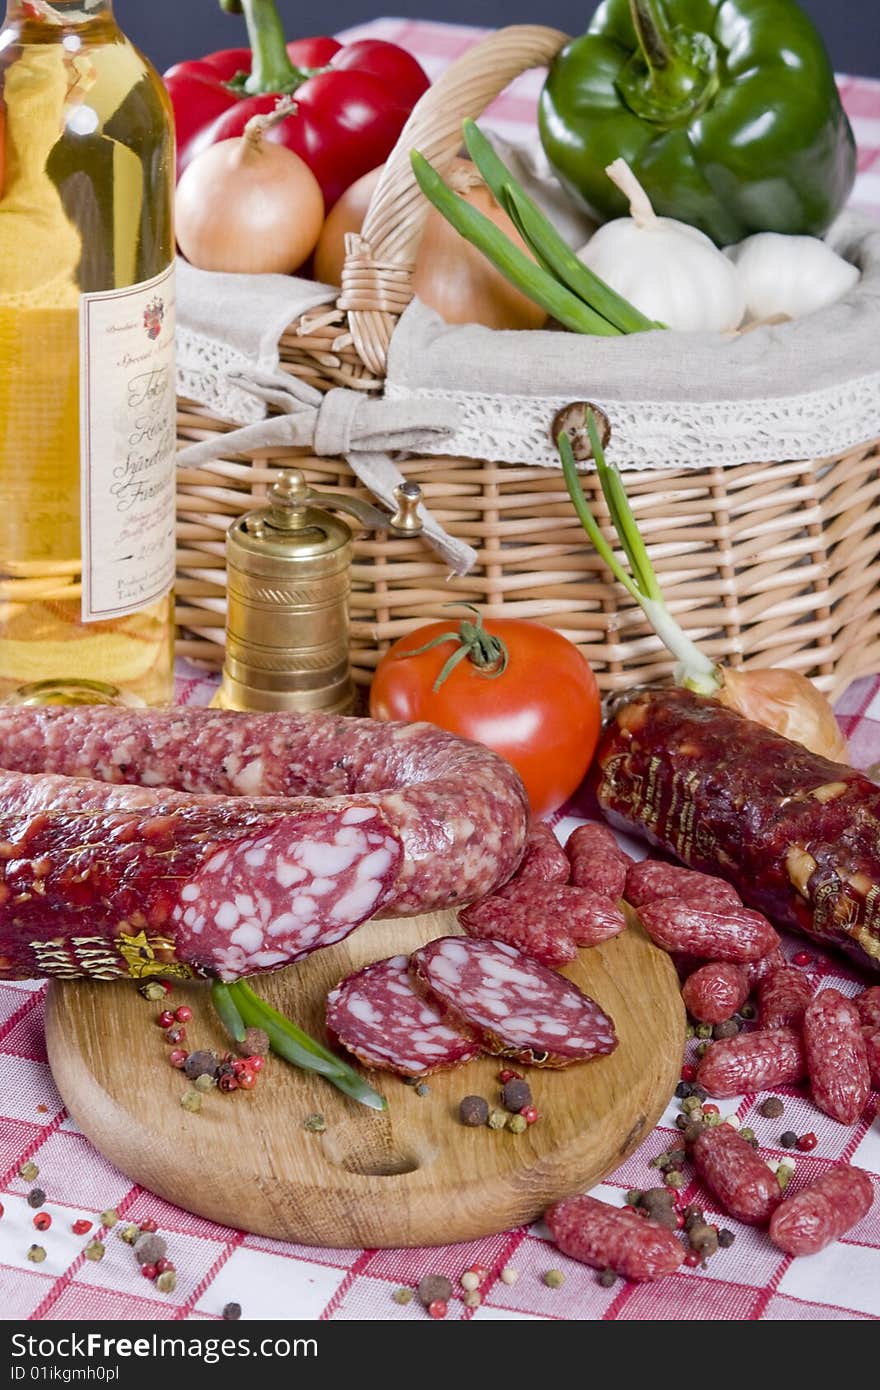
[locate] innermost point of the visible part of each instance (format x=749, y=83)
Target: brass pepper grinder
x=289, y=578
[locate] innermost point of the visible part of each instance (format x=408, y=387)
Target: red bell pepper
x=352, y=101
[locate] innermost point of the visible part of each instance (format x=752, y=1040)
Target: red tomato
x=542, y=712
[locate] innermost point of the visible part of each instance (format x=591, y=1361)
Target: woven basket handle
x=379, y=263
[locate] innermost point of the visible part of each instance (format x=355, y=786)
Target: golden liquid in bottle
x=85, y=205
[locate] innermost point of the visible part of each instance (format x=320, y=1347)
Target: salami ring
x=447, y=818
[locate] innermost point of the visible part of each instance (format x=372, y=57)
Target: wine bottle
x=87, y=396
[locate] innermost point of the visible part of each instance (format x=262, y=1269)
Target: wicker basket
x=767, y=562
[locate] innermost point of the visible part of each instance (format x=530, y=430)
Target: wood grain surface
x=411, y=1176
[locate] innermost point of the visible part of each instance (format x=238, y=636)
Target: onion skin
x=451, y=276
x=248, y=206
x=788, y=703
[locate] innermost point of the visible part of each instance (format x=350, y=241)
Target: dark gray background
x=168, y=30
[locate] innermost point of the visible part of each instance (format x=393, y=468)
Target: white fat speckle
x=509, y=974
x=189, y=916
x=286, y=922
x=361, y=1009
x=248, y=781
x=215, y=864
x=321, y=886
x=248, y=937
x=264, y=960
x=256, y=858
x=189, y=892
x=226, y=916
x=356, y=815
x=357, y=902
x=288, y=874
x=556, y=1030
x=446, y=970
x=245, y=904
x=325, y=860
x=454, y=951
x=151, y=779
x=304, y=907
x=375, y=864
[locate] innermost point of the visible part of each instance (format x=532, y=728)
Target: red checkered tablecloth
x=275, y=1280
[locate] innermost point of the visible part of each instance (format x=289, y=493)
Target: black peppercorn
x=473, y=1111
x=515, y=1094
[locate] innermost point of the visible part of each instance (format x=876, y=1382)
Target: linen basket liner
x=804, y=389
x=809, y=388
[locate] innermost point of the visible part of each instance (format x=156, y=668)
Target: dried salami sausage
x=796, y=834
x=822, y=1212
x=740, y=1180
x=461, y=811
x=713, y=993
x=105, y=881
x=378, y=1015
x=597, y=861
x=415, y=819
x=512, y=1005
x=651, y=879
x=837, y=1058
x=544, y=860
x=752, y=1062
x=615, y=1238
x=783, y=996
x=736, y=935
x=546, y=920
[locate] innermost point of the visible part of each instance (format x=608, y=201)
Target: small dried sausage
x=731, y=1169
x=713, y=993
x=752, y=1062
x=615, y=1238
x=597, y=861
x=783, y=996
x=822, y=1212
x=837, y=1058
x=733, y=935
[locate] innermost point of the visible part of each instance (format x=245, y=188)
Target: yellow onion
x=450, y=275
x=787, y=702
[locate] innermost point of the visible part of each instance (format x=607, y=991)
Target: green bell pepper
x=727, y=111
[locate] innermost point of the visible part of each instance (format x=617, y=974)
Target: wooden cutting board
x=411, y=1176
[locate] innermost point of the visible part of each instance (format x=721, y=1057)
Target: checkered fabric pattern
x=276, y=1280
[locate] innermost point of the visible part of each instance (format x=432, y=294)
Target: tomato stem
x=486, y=652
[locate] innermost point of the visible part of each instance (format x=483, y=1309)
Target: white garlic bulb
x=791, y=275
x=669, y=270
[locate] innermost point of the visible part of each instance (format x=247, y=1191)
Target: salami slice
x=547, y=921
x=512, y=1005
x=378, y=1015
x=94, y=882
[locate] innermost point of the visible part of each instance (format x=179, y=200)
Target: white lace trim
x=204, y=366
x=666, y=434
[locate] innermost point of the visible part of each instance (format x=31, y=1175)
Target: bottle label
x=128, y=445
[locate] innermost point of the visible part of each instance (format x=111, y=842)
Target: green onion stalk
x=239, y=1007
x=555, y=279
x=785, y=701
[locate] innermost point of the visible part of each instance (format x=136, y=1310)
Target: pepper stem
x=673, y=73
x=652, y=31
x=272, y=70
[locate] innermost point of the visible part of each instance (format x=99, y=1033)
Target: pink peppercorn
x=183, y=1014
x=166, y=1019
x=149, y=1271
x=807, y=1142
x=177, y=1057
